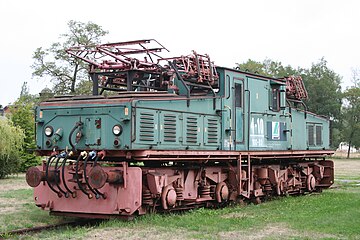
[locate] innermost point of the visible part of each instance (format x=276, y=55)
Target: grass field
x=333, y=214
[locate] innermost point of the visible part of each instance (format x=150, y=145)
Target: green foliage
x=22, y=116
x=268, y=68
x=66, y=72
x=325, y=97
x=355, y=77
x=351, y=117
x=11, y=142
x=323, y=86
x=45, y=94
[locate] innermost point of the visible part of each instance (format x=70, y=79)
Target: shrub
x=11, y=142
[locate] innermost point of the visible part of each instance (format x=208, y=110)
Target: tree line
x=69, y=76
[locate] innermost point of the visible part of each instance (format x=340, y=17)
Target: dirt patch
x=277, y=231
x=237, y=215
x=139, y=233
x=272, y=231
x=11, y=205
x=14, y=182
x=346, y=169
x=341, y=154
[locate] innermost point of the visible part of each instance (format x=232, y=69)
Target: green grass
x=23, y=212
x=333, y=214
x=18, y=194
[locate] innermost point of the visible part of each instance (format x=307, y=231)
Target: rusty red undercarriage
x=100, y=185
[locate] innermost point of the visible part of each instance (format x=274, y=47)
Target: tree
x=268, y=68
x=355, y=76
x=22, y=116
x=11, y=141
x=45, y=94
x=351, y=112
x=66, y=72
x=324, y=90
x=325, y=96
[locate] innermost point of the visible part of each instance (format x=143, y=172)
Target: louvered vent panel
x=170, y=128
x=213, y=131
x=147, y=126
x=192, y=130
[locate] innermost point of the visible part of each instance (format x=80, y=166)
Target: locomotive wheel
x=310, y=182
x=168, y=197
x=221, y=192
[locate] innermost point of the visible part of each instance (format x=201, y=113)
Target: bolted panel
x=92, y=131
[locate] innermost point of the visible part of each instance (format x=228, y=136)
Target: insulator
x=179, y=194
x=205, y=191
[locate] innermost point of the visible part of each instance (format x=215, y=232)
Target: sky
x=296, y=33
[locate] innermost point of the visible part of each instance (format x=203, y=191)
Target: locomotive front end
x=61, y=126
x=78, y=137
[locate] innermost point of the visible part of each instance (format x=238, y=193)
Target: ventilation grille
x=311, y=135
x=318, y=135
x=192, y=130
x=147, y=126
x=169, y=128
x=213, y=131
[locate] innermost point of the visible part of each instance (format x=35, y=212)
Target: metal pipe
x=48, y=163
x=56, y=171
x=95, y=191
x=73, y=194
x=82, y=154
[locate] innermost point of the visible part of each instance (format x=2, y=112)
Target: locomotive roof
x=272, y=79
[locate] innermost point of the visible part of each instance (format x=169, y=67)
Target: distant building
x=344, y=147
x=4, y=111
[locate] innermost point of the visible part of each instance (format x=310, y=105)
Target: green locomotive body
x=174, y=137
x=248, y=113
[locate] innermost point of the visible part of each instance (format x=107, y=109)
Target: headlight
x=49, y=131
x=117, y=130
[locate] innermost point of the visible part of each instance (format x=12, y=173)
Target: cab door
x=239, y=110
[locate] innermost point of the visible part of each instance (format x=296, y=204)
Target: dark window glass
x=275, y=99
x=311, y=135
x=318, y=135
x=238, y=95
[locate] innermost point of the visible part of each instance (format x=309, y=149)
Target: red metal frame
x=118, y=56
x=200, y=155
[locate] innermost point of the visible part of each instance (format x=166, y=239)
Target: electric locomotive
x=166, y=134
